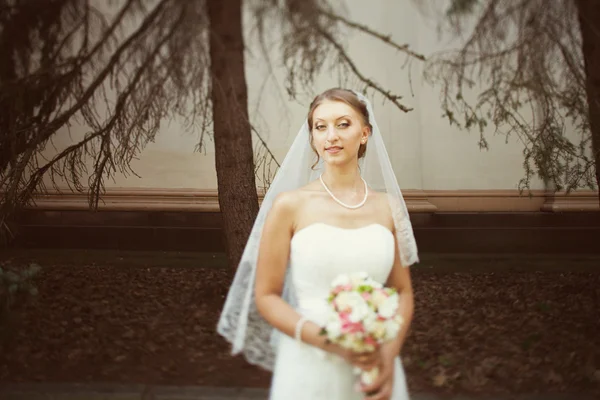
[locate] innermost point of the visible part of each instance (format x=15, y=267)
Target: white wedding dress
x=318, y=254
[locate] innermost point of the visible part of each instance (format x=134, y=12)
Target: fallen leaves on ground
x=505, y=331
x=473, y=332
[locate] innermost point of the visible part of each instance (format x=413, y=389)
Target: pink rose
x=352, y=327
x=345, y=317
x=370, y=341
x=338, y=289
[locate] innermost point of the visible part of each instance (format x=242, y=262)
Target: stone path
x=42, y=391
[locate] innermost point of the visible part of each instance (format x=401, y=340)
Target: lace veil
x=240, y=323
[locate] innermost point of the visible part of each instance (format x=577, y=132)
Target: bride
x=334, y=207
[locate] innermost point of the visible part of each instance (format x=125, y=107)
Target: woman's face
x=337, y=132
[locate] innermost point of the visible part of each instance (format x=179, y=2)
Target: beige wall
x=427, y=153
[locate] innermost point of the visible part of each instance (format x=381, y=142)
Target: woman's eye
x=344, y=125
x=319, y=127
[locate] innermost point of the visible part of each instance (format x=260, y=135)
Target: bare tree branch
x=310, y=35
x=368, y=82
x=121, y=73
x=524, y=55
x=387, y=39
x=153, y=70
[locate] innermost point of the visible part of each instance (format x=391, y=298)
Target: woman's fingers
x=370, y=358
x=376, y=386
x=364, y=366
x=382, y=385
x=367, y=365
x=384, y=393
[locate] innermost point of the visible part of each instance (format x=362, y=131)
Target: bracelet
x=299, y=326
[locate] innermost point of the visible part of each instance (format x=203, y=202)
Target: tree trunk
x=589, y=23
x=234, y=159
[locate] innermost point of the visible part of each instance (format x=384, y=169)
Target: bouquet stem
x=368, y=377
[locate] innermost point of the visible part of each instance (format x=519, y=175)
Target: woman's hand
x=382, y=387
x=365, y=361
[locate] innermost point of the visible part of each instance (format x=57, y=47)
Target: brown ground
x=510, y=324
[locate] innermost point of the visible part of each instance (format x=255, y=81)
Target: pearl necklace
x=362, y=203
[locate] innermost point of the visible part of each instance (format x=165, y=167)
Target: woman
x=307, y=234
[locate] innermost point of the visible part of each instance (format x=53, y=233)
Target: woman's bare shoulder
x=382, y=205
x=380, y=198
x=293, y=199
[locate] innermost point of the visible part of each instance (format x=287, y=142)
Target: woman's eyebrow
x=343, y=116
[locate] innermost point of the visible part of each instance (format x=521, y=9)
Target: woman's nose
x=331, y=134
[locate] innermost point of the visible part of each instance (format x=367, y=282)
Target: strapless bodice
x=320, y=252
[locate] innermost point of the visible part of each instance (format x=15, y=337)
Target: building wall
x=439, y=166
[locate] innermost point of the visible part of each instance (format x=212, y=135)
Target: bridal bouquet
x=363, y=314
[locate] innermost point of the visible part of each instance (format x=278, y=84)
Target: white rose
x=359, y=308
x=349, y=341
x=389, y=307
x=378, y=298
x=354, y=342
x=359, y=313
x=341, y=280
x=343, y=300
x=373, y=283
x=359, y=347
x=392, y=327
x=333, y=327
x=358, y=278
x=370, y=321
x=379, y=330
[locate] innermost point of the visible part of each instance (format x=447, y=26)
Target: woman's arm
x=272, y=262
x=400, y=280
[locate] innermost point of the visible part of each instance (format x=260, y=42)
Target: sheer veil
x=240, y=323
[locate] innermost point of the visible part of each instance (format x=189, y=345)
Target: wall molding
x=577, y=201
x=418, y=201
x=513, y=200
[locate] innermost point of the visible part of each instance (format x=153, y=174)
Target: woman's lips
x=333, y=149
